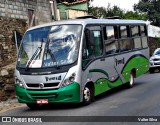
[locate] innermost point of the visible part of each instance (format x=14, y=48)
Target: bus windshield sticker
x=36, y=63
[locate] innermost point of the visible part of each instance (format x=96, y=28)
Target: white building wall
x=153, y=31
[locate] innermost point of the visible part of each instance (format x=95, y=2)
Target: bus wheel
x=131, y=80
x=87, y=95
x=32, y=105
x=151, y=71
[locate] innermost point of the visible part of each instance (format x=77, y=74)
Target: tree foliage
x=114, y=11
x=151, y=8
x=101, y=12
x=135, y=15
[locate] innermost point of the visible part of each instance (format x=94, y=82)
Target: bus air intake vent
x=46, y=85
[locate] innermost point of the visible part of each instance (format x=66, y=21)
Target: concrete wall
x=76, y=13
x=153, y=31
x=66, y=10
x=154, y=38
x=19, y=9
x=154, y=43
x=7, y=46
x=14, y=16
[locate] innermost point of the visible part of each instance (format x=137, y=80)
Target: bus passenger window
x=144, y=36
x=136, y=37
x=111, y=43
x=137, y=43
x=108, y=32
x=135, y=31
x=112, y=47
x=144, y=42
x=143, y=31
x=124, y=32
x=125, y=45
x=125, y=42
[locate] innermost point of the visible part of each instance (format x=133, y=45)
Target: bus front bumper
x=70, y=93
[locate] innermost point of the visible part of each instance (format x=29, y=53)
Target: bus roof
x=91, y=21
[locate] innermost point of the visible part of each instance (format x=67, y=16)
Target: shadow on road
x=117, y=90
x=58, y=106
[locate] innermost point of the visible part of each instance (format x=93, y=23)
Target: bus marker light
x=113, y=78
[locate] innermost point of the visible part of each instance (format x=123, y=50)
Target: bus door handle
x=103, y=59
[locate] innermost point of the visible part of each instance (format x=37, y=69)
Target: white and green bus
x=75, y=60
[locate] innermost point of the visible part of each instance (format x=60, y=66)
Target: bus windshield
x=50, y=46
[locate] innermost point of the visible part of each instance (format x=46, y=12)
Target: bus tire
x=131, y=80
x=32, y=106
x=87, y=95
x=151, y=71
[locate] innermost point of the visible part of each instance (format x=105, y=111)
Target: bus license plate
x=42, y=101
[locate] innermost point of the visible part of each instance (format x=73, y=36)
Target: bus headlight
x=68, y=80
x=19, y=83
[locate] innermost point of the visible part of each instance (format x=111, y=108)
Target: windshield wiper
x=51, y=54
x=52, y=57
x=35, y=55
x=37, y=52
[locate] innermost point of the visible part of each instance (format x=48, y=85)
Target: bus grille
x=43, y=96
x=46, y=85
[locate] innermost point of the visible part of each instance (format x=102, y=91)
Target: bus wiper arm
x=53, y=57
x=37, y=52
x=35, y=55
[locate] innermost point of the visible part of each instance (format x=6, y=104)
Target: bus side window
x=93, y=43
x=111, y=39
x=88, y=45
x=97, y=43
x=125, y=42
x=112, y=47
x=136, y=37
x=143, y=32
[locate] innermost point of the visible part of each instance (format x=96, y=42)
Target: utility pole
x=54, y=9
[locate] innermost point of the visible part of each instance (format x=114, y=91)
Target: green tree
x=135, y=15
x=101, y=12
x=151, y=8
x=114, y=11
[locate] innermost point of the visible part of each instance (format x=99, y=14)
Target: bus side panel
x=102, y=74
x=137, y=61
x=106, y=74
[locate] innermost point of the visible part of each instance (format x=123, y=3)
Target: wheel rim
x=87, y=94
x=131, y=80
